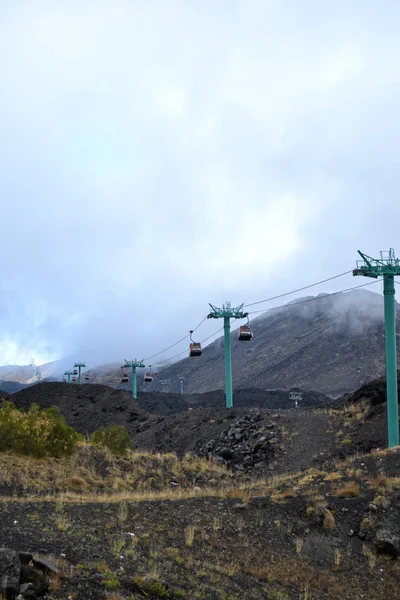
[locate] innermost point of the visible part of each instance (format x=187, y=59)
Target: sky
x=157, y=156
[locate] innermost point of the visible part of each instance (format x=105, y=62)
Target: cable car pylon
x=227, y=313
x=68, y=374
x=79, y=366
x=388, y=266
x=133, y=365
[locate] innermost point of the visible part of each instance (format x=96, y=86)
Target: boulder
x=387, y=542
x=10, y=570
x=45, y=565
x=25, y=557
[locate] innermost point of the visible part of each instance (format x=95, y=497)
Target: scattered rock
x=226, y=454
x=45, y=565
x=27, y=590
x=387, y=543
x=244, y=446
x=241, y=506
x=25, y=557
x=10, y=570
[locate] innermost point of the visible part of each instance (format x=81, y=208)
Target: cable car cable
x=185, y=351
x=312, y=299
x=306, y=287
x=175, y=343
x=165, y=349
x=257, y=312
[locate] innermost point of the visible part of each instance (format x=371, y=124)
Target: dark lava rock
x=226, y=454
x=25, y=557
x=10, y=570
x=387, y=542
x=241, y=445
x=45, y=565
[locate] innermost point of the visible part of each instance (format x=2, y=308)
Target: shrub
x=158, y=590
x=350, y=490
x=329, y=520
x=36, y=432
x=114, y=437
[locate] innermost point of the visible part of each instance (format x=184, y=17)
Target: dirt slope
x=86, y=407
x=166, y=404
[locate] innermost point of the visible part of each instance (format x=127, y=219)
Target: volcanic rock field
x=259, y=501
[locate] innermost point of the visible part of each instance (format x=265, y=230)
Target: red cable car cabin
x=245, y=333
x=195, y=349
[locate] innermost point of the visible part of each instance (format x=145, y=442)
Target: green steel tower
x=68, y=374
x=227, y=313
x=79, y=366
x=134, y=364
x=388, y=266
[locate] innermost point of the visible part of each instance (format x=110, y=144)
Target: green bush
x=114, y=437
x=36, y=432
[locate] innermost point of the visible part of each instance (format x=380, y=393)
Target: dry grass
x=297, y=572
x=96, y=470
x=333, y=476
x=329, y=520
x=189, y=535
x=350, y=490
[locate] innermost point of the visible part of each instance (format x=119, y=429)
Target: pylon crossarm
x=373, y=267
x=368, y=260
x=227, y=311
x=137, y=364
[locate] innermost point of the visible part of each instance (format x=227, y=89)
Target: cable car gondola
x=148, y=378
x=75, y=371
x=124, y=378
x=195, y=347
x=245, y=333
x=87, y=377
x=74, y=379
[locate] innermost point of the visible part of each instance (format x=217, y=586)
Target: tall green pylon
x=133, y=365
x=387, y=266
x=79, y=366
x=228, y=362
x=68, y=374
x=227, y=313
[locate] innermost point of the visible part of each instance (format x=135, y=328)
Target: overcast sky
x=159, y=155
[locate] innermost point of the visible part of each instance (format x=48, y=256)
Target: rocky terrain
x=86, y=407
x=214, y=503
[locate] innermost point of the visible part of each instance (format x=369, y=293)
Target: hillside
x=240, y=503
x=329, y=344
x=85, y=407
x=11, y=386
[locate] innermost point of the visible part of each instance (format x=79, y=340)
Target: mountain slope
x=330, y=344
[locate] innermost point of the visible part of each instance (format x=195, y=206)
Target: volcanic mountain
x=328, y=343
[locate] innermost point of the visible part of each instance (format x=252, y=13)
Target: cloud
x=155, y=157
